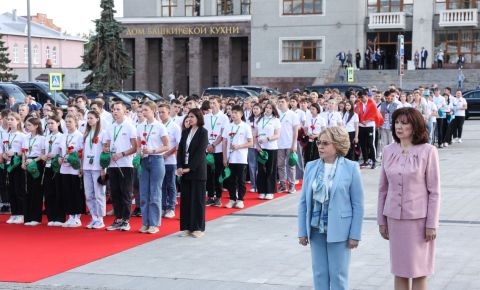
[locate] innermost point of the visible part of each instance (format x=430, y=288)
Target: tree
x=105, y=54
x=6, y=72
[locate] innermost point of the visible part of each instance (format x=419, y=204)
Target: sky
x=73, y=16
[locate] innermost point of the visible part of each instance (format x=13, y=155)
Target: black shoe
x=217, y=203
x=364, y=164
x=137, y=212
x=5, y=209
x=210, y=201
x=374, y=165
x=283, y=187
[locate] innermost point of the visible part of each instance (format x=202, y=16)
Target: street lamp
x=29, y=30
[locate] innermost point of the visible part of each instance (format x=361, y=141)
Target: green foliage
x=6, y=74
x=105, y=54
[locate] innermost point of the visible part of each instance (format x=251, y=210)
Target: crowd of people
x=267, y=139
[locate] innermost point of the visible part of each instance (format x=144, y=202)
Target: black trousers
x=448, y=131
x=311, y=152
x=17, y=191
x=214, y=188
x=458, y=126
x=73, y=194
x=3, y=186
x=351, y=152
x=236, y=182
x=121, y=191
x=267, y=174
x=54, y=203
x=34, y=198
x=440, y=130
x=192, y=205
x=366, y=138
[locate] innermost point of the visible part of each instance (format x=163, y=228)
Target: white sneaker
x=230, y=204
x=253, y=190
x=58, y=224
x=68, y=223
x=18, y=220
x=269, y=196
x=261, y=196
x=170, y=214
x=51, y=224
x=455, y=140
x=11, y=219
x=445, y=144
x=32, y=223
x=75, y=224
x=98, y=224
x=90, y=225
x=459, y=140
x=239, y=204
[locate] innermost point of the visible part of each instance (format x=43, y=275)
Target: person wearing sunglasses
x=330, y=210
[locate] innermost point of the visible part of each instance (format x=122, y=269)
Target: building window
x=302, y=50
x=36, y=56
x=456, y=42
x=169, y=7
x=192, y=7
x=455, y=4
x=302, y=7
x=224, y=7
x=375, y=6
x=15, y=53
x=25, y=53
x=47, y=52
x=54, y=55
x=245, y=7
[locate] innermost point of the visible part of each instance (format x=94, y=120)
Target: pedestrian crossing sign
x=56, y=82
x=350, y=72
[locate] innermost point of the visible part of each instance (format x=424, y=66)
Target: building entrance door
x=386, y=42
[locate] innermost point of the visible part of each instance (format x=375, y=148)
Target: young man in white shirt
x=215, y=123
x=237, y=137
x=432, y=120
x=169, y=189
x=121, y=143
x=462, y=106
x=441, y=104
x=133, y=111
x=81, y=103
x=287, y=143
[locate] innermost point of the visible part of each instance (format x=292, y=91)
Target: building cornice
x=195, y=19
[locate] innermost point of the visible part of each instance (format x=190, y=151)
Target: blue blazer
x=345, y=210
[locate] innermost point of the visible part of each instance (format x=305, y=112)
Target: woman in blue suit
x=330, y=211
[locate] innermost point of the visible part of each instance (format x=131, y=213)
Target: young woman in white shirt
x=34, y=149
x=350, y=119
x=152, y=143
x=332, y=116
x=302, y=117
x=266, y=135
x=93, y=139
x=12, y=149
x=70, y=179
x=403, y=103
x=252, y=151
x=237, y=138
x=313, y=127
x=54, y=203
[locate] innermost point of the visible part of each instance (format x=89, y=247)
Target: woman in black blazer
x=192, y=168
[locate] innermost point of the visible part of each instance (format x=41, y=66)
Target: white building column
x=422, y=32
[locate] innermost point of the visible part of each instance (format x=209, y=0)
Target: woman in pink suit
x=409, y=200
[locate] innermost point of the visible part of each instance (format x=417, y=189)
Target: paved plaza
x=257, y=248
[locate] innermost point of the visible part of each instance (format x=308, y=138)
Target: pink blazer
x=409, y=184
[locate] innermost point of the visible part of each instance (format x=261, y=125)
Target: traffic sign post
x=350, y=76
x=56, y=84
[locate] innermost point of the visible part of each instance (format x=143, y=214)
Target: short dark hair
x=135, y=100
x=317, y=107
x=199, y=115
x=415, y=118
x=175, y=101
x=83, y=97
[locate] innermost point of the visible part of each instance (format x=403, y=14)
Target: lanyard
x=213, y=123
x=11, y=141
x=67, y=141
x=232, y=135
x=50, y=143
x=147, y=137
x=265, y=124
x=168, y=123
x=115, y=133
x=90, y=135
x=30, y=143
x=283, y=116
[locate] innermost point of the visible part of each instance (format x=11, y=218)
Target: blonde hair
x=339, y=137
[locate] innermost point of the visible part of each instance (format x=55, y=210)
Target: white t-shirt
x=174, y=136
x=253, y=125
x=150, y=135
x=92, y=149
x=288, y=120
x=403, y=105
x=35, y=146
x=74, y=140
x=461, y=103
x=120, y=136
x=13, y=142
x=333, y=118
x=82, y=126
x=237, y=135
x=369, y=123
x=302, y=117
x=441, y=106
x=350, y=125
x=179, y=120
x=214, y=125
x=315, y=125
x=266, y=127
x=431, y=108
x=53, y=144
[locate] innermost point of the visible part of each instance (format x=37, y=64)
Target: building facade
x=185, y=46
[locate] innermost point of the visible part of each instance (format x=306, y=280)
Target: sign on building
x=350, y=76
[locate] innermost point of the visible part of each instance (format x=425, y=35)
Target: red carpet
x=30, y=254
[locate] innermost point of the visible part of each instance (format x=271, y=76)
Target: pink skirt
x=411, y=256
